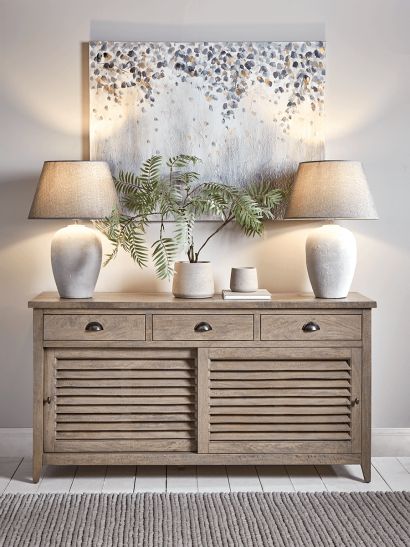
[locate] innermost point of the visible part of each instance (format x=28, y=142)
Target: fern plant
x=180, y=197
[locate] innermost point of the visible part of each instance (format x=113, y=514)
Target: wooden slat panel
x=105, y=435
x=64, y=418
x=120, y=382
x=124, y=400
x=215, y=428
x=126, y=426
x=124, y=374
x=121, y=409
x=126, y=352
x=129, y=445
x=280, y=447
x=125, y=364
x=290, y=436
x=124, y=391
x=202, y=400
x=254, y=384
x=283, y=375
x=125, y=405
x=280, y=410
x=281, y=401
x=278, y=419
x=266, y=365
x=296, y=392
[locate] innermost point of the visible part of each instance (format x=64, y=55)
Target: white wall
x=43, y=109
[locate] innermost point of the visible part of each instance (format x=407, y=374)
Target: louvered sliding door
x=277, y=404
x=109, y=403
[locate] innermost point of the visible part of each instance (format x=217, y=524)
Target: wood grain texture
x=192, y=458
x=156, y=392
x=183, y=327
x=73, y=327
x=203, y=400
x=38, y=374
x=96, y=413
x=51, y=300
x=265, y=364
x=366, y=391
x=332, y=327
x=282, y=447
x=271, y=410
x=260, y=421
x=129, y=445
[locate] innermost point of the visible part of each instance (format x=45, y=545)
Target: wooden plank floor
x=387, y=474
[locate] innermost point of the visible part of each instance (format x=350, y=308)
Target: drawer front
x=94, y=327
x=203, y=327
x=311, y=327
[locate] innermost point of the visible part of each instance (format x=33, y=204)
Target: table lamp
x=330, y=190
x=75, y=190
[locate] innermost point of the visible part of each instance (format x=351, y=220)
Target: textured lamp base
x=331, y=257
x=76, y=254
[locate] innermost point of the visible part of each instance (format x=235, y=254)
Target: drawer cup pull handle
x=310, y=327
x=202, y=327
x=94, y=326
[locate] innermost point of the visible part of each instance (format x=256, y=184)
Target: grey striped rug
x=244, y=519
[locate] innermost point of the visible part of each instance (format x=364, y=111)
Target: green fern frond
x=182, y=160
x=184, y=231
x=248, y=214
x=163, y=255
x=180, y=197
x=134, y=243
x=151, y=169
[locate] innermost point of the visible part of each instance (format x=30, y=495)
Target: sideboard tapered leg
x=367, y=470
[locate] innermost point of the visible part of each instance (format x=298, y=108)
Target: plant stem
x=225, y=223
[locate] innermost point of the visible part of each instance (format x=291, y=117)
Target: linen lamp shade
x=75, y=190
x=330, y=190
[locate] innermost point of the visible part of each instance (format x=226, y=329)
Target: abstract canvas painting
x=250, y=110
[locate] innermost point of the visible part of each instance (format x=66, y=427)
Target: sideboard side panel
x=366, y=396
x=38, y=375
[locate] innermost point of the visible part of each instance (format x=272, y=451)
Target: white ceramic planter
x=193, y=280
x=331, y=260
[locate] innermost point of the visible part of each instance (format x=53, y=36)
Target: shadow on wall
x=16, y=195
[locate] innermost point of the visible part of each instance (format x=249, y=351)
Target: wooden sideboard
x=150, y=379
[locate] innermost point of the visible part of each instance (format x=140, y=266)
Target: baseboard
x=16, y=441
x=385, y=442
x=391, y=441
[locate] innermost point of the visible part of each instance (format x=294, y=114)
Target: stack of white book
x=260, y=294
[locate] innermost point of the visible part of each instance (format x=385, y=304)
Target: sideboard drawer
x=94, y=327
x=311, y=327
x=202, y=326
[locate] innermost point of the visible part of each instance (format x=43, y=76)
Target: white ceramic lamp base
x=76, y=254
x=331, y=257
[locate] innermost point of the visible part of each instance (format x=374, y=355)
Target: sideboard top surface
x=107, y=300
